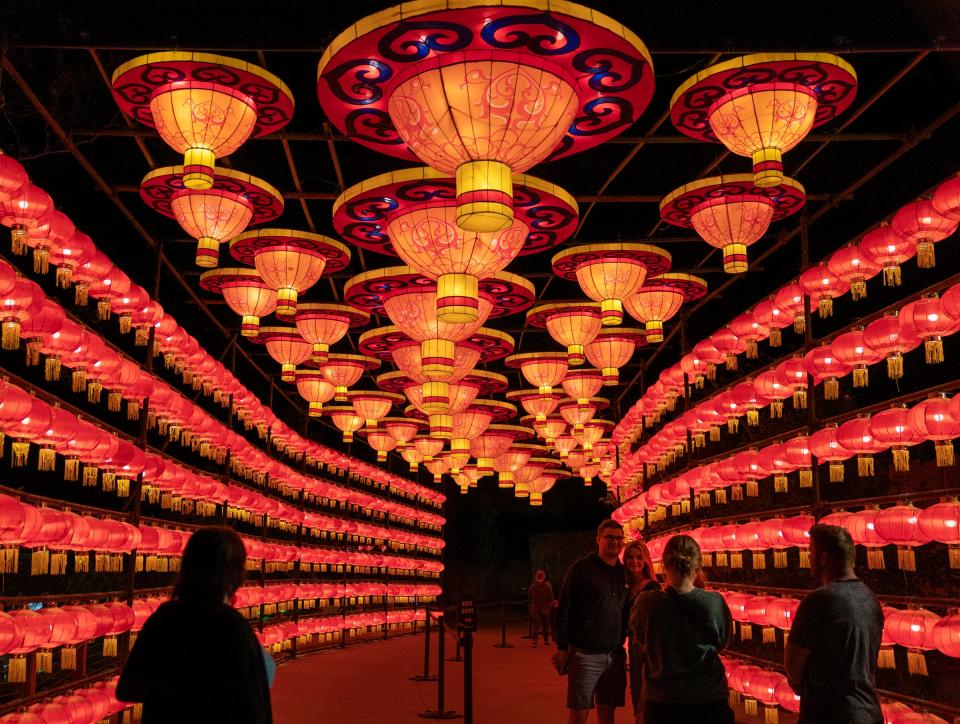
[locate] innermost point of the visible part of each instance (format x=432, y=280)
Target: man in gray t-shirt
x=831, y=655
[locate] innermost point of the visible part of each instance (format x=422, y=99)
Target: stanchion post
x=441, y=712
x=467, y=637
x=503, y=627
x=425, y=676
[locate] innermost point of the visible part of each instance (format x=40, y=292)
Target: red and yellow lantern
x=344, y=370
x=315, y=389
x=822, y=286
x=245, y=293
x=30, y=208
x=571, y=324
x=889, y=338
x=660, y=298
x=613, y=348
x=287, y=347
x=536, y=403
x=854, y=268
x=324, y=324
x=373, y=405
x=346, y=420
x=544, y=370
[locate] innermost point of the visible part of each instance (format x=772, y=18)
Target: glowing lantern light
x=413, y=456
x=403, y=429
x=346, y=420
x=315, y=389
x=730, y=212
x=826, y=368
x=790, y=300
x=582, y=385
x=946, y=198
x=768, y=386
x=768, y=315
x=542, y=484
x=929, y=319
x=610, y=273
x=203, y=106
x=592, y=432
x=796, y=532
x=892, y=427
x=912, y=629
x=763, y=105
x=211, y=217
x=544, y=370
x=941, y=522
x=572, y=324
x=373, y=405
x=70, y=254
x=711, y=356
x=381, y=441
x=945, y=635
x=891, y=339
x=287, y=347
x=409, y=358
x=323, y=324
x=884, y=247
x=900, y=525
x=729, y=345
x=16, y=307
x=481, y=107
x=495, y=441
x=13, y=177
x=535, y=403
x=660, y=298
x=473, y=422
x=920, y=223
x=428, y=447
x=862, y=529
x=575, y=413
x=550, y=429
x=289, y=261
x=856, y=437
x=245, y=293
x=412, y=214
x=30, y=208
x=438, y=466
x=824, y=445
x=770, y=536
x=513, y=459
x=749, y=332
x=852, y=350
x=935, y=419
x=822, y=286
x=57, y=230
x=344, y=370
x=852, y=267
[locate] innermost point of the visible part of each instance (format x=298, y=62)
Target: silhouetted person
x=831, y=655
x=540, y=602
x=197, y=660
x=640, y=578
x=591, y=628
x=680, y=632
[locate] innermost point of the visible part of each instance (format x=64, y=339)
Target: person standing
x=540, y=601
x=640, y=578
x=679, y=633
x=591, y=618
x=197, y=660
x=831, y=655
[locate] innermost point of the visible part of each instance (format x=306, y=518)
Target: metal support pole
x=441, y=712
x=425, y=676
x=503, y=627
x=808, y=342
x=467, y=637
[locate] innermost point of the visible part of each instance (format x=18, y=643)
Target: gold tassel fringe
x=864, y=465
x=875, y=559
x=933, y=350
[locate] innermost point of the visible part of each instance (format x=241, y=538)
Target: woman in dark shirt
x=640, y=578
x=680, y=632
x=197, y=659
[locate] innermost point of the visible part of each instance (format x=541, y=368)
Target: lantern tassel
x=33, y=353
x=110, y=646
x=944, y=453
x=133, y=410
x=711, y=372
x=780, y=483
x=733, y=697
x=875, y=559
x=113, y=401
x=79, y=380
x=804, y=558
x=752, y=350
x=64, y=274
x=806, y=478
x=906, y=559
x=895, y=366
x=81, y=295
x=776, y=337
x=41, y=261
x=125, y=321
x=780, y=559
x=720, y=496
x=733, y=424
x=861, y=377
x=753, y=418
x=800, y=398
x=707, y=560
x=825, y=307
x=901, y=459
x=58, y=563
x=51, y=369
x=39, y=562
x=917, y=662
x=90, y=474
x=932, y=348
x=891, y=276
x=886, y=658
x=731, y=363
x=93, y=392
x=746, y=632
x=47, y=459
x=836, y=471
x=10, y=337
x=141, y=336
x=799, y=324
x=715, y=433
x=17, y=670
x=758, y=560
x=68, y=658
x=103, y=309
x=858, y=289
x=864, y=465
x=831, y=388
x=720, y=559
x=926, y=257
x=770, y=715
x=19, y=451
x=753, y=489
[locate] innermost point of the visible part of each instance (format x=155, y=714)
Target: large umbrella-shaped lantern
x=536, y=403
x=572, y=324
x=731, y=212
x=545, y=370
x=412, y=214
x=203, y=106
x=244, y=292
x=287, y=347
x=760, y=106
x=495, y=441
x=323, y=324
x=344, y=370
x=660, y=298
x=612, y=348
x=484, y=91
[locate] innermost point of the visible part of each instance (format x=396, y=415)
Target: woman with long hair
x=640, y=578
x=197, y=659
x=680, y=632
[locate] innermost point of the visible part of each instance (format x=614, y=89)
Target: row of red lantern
x=278, y=552
x=897, y=428
x=924, y=321
x=88, y=705
x=272, y=636
x=88, y=266
x=904, y=526
x=318, y=521
x=278, y=593
x=29, y=419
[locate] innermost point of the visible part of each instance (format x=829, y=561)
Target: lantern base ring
x=484, y=196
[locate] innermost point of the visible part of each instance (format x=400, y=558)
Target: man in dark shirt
x=831, y=654
x=591, y=629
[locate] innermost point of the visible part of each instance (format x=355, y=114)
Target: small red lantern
x=57, y=229
x=862, y=528
x=711, y=356
x=919, y=222
x=934, y=418
x=941, y=522
x=769, y=387
x=855, y=436
x=888, y=337
x=884, y=247
x=768, y=314
x=945, y=635
x=792, y=374
x=900, y=525
x=749, y=331
x=790, y=300
x=30, y=208
x=851, y=349
x=797, y=453
x=13, y=177
x=930, y=320
x=912, y=629
x=826, y=368
x=728, y=344
x=822, y=286
x=946, y=198
x=853, y=267
x=892, y=427
x=18, y=305
x=826, y=448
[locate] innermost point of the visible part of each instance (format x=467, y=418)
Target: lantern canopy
x=315, y=389
x=323, y=324
x=289, y=261
x=287, y=347
x=884, y=247
x=244, y=292
x=613, y=348
x=545, y=370
x=760, y=106
x=373, y=405
x=731, y=212
x=536, y=403
x=473, y=101
x=660, y=298
x=609, y=273
x=344, y=370
x=203, y=106
x=411, y=214
x=572, y=324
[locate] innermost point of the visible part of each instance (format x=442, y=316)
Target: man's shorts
x=596, y=679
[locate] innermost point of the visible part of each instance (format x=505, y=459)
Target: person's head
x=213, y=566
x=681, y=560
x=609, y=540
x=540, y=576
x=832, y=553
x=637, y=561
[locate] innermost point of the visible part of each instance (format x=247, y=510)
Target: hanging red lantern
x=731, y=212
x=826, y=368
x=768, y=314
x=749, y=332
x=16, y=306
x=711, y=356
x=853, y=268
x=884, y=247
x=941, y=522
x=825, y=446
x=913, y=629
x=728, y=344
x=13, y=177
x=29, y=208
x=790, y=300
x=928, y=318
x=862, y=529
x=935, y=419
x=822, y=286
x=68, y=254
x=855, y=436
x=38, y=328
x=900, y=525
x=792, y=374
x=797, y=452
x=946, y=198
x=887, y=336
x=544, y=370
x=945, y=635
x=919, y=222
x=892, y=427
x=57, y=230
x=851, y=349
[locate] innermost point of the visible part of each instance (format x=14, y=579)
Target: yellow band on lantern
x=198, y=167
x=316, y=409
x=735, y=258
x=545, y=390
x=575, y=354
x=437, y=357
x=441, y=426
x=287, y=301
x=484, y=196
x=436, y=396
x=288, y=372
x=457, y=298
x=321, y=352
x=767, y=167
x=208, y=252
x=340, y=393
x=249, y=326
x=536, y=498
x=611, y=376
x=459, y=445
x=611, y=312
x=505, y=479
x=654, y=330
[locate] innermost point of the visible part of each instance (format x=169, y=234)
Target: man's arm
x=795, y=659
x=563, y=607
